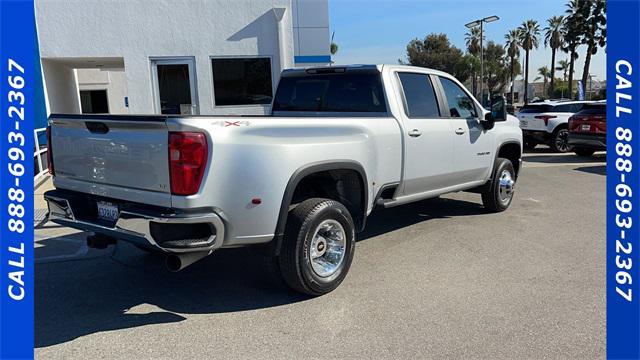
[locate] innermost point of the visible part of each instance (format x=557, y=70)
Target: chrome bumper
x=135, y=227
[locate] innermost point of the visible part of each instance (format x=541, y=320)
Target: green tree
x=435, y=52
x=333, y=48
x=466, y=68
x=529, y=33
x=553, y=39
x=595, y=32
x=497, y=68
x=472, y=40
x=563, y=65
x=544, y=74
x=512, y=40
x=572, y=31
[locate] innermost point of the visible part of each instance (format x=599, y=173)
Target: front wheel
x=318, y=246
x=500, y=193
x=560, y=141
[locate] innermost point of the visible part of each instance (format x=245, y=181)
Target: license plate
x=586, y=127
x=107, y=211
x=523, y=123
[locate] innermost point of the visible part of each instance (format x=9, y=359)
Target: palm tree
x=563, y=65
x=553, y=39
x=572, y=30
x=472, y=40
x=513, y=39
x=544, y=73
x=595, y=32
x=529, y=32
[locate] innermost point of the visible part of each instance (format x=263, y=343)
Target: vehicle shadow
x=123, y=287
x=570, y=158
x=598, y=170
x=383, y=221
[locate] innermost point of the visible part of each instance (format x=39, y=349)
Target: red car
x=588, y=129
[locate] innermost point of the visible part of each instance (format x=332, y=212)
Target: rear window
x=331, y=93
x=568, y=108
x=536, y=109
x=594, y=109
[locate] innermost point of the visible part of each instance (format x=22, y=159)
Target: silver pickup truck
x=297, y=185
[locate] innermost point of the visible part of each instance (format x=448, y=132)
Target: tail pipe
x=177, y=262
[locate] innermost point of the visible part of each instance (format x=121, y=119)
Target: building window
x=94, y=102
x=242, y=81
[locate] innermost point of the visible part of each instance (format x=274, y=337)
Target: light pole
x=480, y=23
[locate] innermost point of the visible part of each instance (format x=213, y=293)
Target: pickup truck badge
x=228, y=123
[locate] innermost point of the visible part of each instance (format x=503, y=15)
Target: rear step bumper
x=161, y=229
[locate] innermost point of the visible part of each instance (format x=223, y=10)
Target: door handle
x=415, y=133
x=459, y=131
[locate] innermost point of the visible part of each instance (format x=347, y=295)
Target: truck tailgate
x=113, y=156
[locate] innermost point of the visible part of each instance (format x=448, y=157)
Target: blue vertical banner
x=580, y=90
x=18, y=64
x=623, y=180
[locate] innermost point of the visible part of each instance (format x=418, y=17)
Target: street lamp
x=480, y=23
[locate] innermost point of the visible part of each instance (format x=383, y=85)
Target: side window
x=420, y=99
x=460, y=104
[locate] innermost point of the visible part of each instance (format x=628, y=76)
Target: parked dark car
x=588, y=129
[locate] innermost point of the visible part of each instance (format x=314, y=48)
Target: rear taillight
x=50, y=152
x=187, y=161
x=545, y=118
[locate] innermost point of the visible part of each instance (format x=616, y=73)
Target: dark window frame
x=435, y=95
x=376, y=76
x=242, y=57
x=443, y=95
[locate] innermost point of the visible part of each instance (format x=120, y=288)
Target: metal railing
x=41, y=169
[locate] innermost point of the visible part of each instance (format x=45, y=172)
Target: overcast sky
x=377, y=31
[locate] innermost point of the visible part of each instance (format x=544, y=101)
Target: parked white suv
x=547, y=123
x=296, y=185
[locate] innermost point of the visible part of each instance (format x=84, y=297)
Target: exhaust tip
x=177, y=262
x=173, y=263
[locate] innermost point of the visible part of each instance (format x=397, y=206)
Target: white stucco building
x=166, y=56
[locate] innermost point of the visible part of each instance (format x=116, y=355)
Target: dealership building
x=167, y=57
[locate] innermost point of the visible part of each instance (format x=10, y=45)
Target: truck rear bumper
x=159, y=228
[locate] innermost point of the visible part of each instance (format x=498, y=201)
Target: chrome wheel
x=561, y=141
x=506, y=186
x=327, y=248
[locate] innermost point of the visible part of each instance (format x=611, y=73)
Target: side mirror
x=498, y=112
x=498, y=108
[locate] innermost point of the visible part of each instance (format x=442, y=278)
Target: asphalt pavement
x=440, y=278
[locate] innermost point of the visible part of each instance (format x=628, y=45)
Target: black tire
x=560, y=141
x=584, y=152
x=295, y=255
x=492, y=199
x=529, y=144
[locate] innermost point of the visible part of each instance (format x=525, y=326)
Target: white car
x=547, y=123
x=296, y=185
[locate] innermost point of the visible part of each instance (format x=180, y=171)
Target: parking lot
x=438, y=278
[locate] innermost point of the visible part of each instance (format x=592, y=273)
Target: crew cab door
x=472, y=144
x=428, y=143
